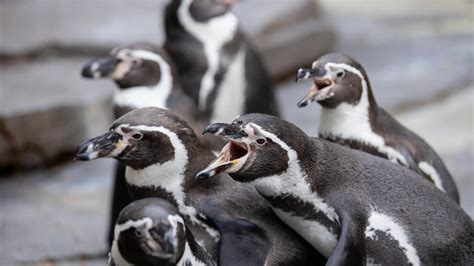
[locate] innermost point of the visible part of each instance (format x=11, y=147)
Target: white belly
x=230, y=99
x=315, y=233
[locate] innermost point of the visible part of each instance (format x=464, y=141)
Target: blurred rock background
x=419, y=56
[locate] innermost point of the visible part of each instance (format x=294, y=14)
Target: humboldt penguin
x=217, y=65
x=145, y=76
x=350, y=116
x=230, y=220
x=353, y=207
x=152, y=232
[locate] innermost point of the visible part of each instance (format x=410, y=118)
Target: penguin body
x=218, y=67
x=353, y=207
x=151, y=232
x=350, y=116
x=230, y=220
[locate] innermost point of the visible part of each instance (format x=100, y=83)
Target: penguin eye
x=138, y=233
x=261, y=141
x=136, y=62
x=340, y=73
x=137, y=136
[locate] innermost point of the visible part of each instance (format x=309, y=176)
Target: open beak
x=233, y=156
x=321, y=89
x=100, y=68
x=106, y=145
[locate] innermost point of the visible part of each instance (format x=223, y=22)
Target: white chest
x=318, y=235
x=140, y=97
x=352, y=123
x=213, y=34
x=230, y=100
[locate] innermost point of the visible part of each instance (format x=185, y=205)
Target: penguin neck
x=156, y=95
x=294, y=181
x=296, y=189
x=351, y=121
x=167, y=177
x=213, y=34
x=358, y=123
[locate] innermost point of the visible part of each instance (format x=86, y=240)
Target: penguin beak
x=233, y=156
x=321, y=89
x=307, y=73
x=158, y=244
x=109, y=144
x=100, y=68
x=168, y=242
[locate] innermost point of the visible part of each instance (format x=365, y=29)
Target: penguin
x=350, y=116
x=230, y=220
x=218, y=66
x=152, y=232
x=353, y=207
x=145, y=76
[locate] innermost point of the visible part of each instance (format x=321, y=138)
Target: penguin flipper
x=347, y=250
x=242, y=243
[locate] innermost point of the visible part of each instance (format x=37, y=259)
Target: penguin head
x=259, y=145
x=336, y=79
x=205, y=10
x=150, y=232
x=135, y=65
x=141, y=138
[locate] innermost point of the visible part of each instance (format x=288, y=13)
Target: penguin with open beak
x=229, y=219
x=353, y=207
x=350, y=116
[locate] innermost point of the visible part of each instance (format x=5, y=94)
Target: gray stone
x=284, y=31
x=56, y=214
x=49, y=111
x=32, y=24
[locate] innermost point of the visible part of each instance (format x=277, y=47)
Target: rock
x=104, y=23
x=58, y=214
x=286, y=31
x=413, y=52
x=50, y=109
